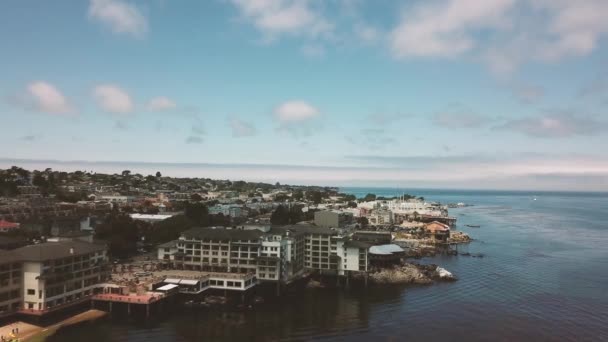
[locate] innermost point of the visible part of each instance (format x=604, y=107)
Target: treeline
x=123, y=234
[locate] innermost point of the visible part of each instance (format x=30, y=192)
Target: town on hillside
x=68, y=238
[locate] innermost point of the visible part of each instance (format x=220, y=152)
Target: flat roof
x=222, y=234
x=385, y=249
x=57, y=250
x=166, y=287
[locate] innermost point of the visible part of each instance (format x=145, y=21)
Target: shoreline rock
x=412, y=274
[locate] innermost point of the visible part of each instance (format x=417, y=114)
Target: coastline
x=34, y=333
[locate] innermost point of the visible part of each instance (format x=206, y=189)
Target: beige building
x=57, y=274
x=332, y=218
x=10, y=283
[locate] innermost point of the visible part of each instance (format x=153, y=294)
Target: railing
x=127, y=298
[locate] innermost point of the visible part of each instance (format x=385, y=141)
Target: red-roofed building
x=440, y=232
x=6, y=226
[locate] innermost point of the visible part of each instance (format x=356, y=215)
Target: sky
x=494, y=94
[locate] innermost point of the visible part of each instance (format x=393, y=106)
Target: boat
x=473, y=225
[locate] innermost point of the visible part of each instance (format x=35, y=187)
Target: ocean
x=543, y=277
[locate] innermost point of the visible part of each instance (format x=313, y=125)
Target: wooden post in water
x=129, y=309
x=110, y=308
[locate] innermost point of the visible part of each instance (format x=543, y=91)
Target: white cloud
x=241, y=128
x=295, y=111
x=313, y=51
x=119, y=16
x=529, y=93
x=113, y=99
x=459, y=116
x=445, y=28
x=161, y=103
x=576, y=26
x=501, y=33
x=45, y=97
x=367, y=34
x=276, y=17
x=561, y=124
x=297, y=118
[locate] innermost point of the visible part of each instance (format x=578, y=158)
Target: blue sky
x=440, y=93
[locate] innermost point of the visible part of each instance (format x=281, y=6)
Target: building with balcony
x=57, y=274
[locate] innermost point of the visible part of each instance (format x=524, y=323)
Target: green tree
x=363, y=221
x=369, y=197
x=169, y=229
x=280, y=216
x=349, y=198
x=197, y=213
x=121, y=234
x=158, y=174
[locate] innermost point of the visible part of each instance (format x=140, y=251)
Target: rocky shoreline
x=409, y=273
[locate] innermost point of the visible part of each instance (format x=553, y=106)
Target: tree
x=363, y=221
x=196, y=197
x=219, y=220
x=284, y=215
x=126, y=173
x=352, y=204
x=369, y=197
x=280, y=216
x=197, y=213
x=121, y=233
x=298, y=195
x=158, y=174
x=350, y=198
x=169, y=229
x=281, y=198
x=315, y=196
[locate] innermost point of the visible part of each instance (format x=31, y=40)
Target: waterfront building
x=10, y=283
x=6, y=226
x=280, y=254
x=353, y=256
x=38, y=279
x=56, y=274
x=217, y=250
x=437, y=231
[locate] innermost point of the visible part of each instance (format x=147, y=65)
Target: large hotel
x=40, y=278
x=276, y=254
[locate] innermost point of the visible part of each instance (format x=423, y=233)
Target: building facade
x=37, y=279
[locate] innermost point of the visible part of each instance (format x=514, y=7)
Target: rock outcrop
x=404, y=274
x=459, y=237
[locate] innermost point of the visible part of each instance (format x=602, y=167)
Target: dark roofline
x=57, y=250
x=222, y=233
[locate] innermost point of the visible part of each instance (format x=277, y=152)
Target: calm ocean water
x=543, y=277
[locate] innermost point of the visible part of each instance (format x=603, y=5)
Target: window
x=31, y=291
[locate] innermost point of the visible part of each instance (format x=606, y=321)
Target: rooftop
x=385, y=249
x=222, y=234
x=56, y=250
x=8, y=225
